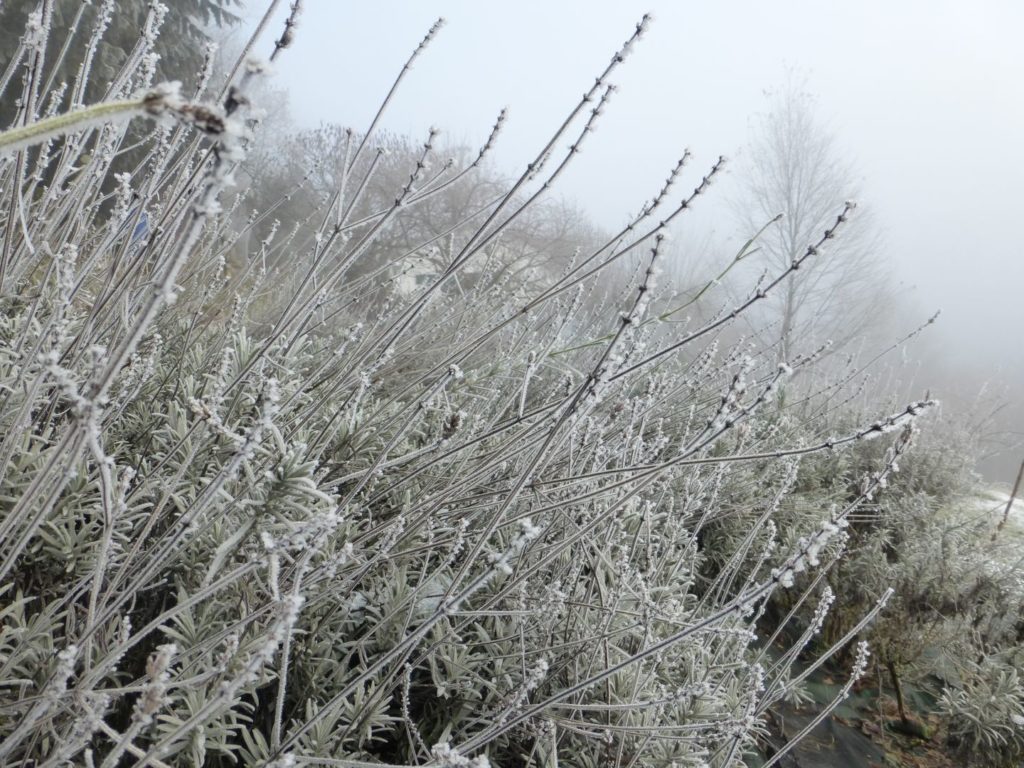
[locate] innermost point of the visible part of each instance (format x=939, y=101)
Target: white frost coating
x=897, y=421
x=446, y=757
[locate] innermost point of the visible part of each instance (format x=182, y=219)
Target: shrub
x=952, y=628
x=333, y=518
x=986, y=714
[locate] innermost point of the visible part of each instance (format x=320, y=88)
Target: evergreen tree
x=185, y=28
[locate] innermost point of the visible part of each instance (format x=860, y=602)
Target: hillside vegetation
x=383, y=464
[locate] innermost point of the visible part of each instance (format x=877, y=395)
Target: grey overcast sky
x=923, y=97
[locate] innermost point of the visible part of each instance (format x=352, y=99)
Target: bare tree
x=796, y=170
x=308, y=166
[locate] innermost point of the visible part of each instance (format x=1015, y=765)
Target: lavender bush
x=265, y=502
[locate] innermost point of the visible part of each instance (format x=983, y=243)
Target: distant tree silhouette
x=796, y=170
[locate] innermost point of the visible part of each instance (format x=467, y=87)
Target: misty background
x=921, y=99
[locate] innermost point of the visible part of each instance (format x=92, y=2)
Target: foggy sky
x=923, y=97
